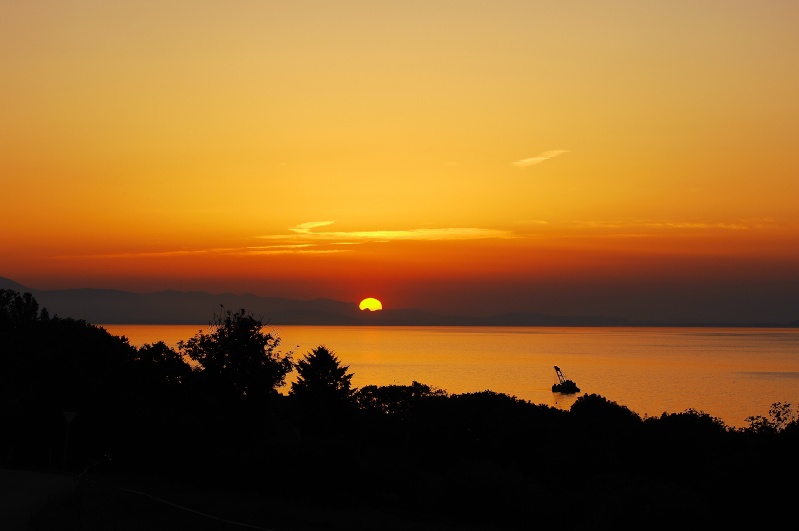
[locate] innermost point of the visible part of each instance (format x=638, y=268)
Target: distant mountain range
x=106, y=306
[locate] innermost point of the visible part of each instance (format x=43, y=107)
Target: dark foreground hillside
x=151, y=443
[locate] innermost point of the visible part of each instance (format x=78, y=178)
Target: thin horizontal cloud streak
x=684, y=225
x=227, y=251
x=304, y=230
x=268, y=251
x=305, y=241
x=538, y=159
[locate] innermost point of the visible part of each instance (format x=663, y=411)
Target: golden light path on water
x=728, y=373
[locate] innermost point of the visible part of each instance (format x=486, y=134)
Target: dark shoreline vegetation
x=151, y=442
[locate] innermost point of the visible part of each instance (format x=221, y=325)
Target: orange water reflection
x=727, y=373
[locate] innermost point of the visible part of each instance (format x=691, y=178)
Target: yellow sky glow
x=342, y=147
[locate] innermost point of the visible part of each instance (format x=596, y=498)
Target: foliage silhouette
x=780, y=417
x=322, y=391
x=396, y=401
x=417, y=453
x=19, y=310
x=321, y=378
x=52, y=366
x=237, y=358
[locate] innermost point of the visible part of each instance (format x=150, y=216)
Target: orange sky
x=621, y=158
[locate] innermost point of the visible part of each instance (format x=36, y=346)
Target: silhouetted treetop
x=19, y=310
x=162, y=365
x=599, y=415
x=395, y=400
x=322, y=394
x=237, y=358
x=322, y=378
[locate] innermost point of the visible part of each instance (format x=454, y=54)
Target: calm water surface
x=729, y=373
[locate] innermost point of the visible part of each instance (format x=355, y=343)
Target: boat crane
x=563, y=385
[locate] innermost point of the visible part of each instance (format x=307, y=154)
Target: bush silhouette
x=322, y=391
x=237, y=358
x=475, y=460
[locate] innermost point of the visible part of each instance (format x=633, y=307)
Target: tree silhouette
x=320, y=376
x=49, y=366
x=780, y=416
x=395, y=401
x=18, y=310
x=237, y=358
x=478, y=460
x=322, y=391
x=161, y=365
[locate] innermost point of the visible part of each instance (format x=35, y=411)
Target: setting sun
x=370, y=304
x=649, y=197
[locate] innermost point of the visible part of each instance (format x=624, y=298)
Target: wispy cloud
x=653, y=228
x=305, y=230
x=286, y=249
x=302, y=239
x=694, y=225
x=538, y=159
x=218, y=251
x=748, y=224
x=534, y=222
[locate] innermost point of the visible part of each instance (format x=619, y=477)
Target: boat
x=563, y=385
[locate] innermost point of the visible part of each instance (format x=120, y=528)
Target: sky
x=622, y=158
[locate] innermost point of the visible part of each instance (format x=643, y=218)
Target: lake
x=729, y=373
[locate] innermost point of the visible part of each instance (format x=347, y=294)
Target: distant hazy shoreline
x=188, y=308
